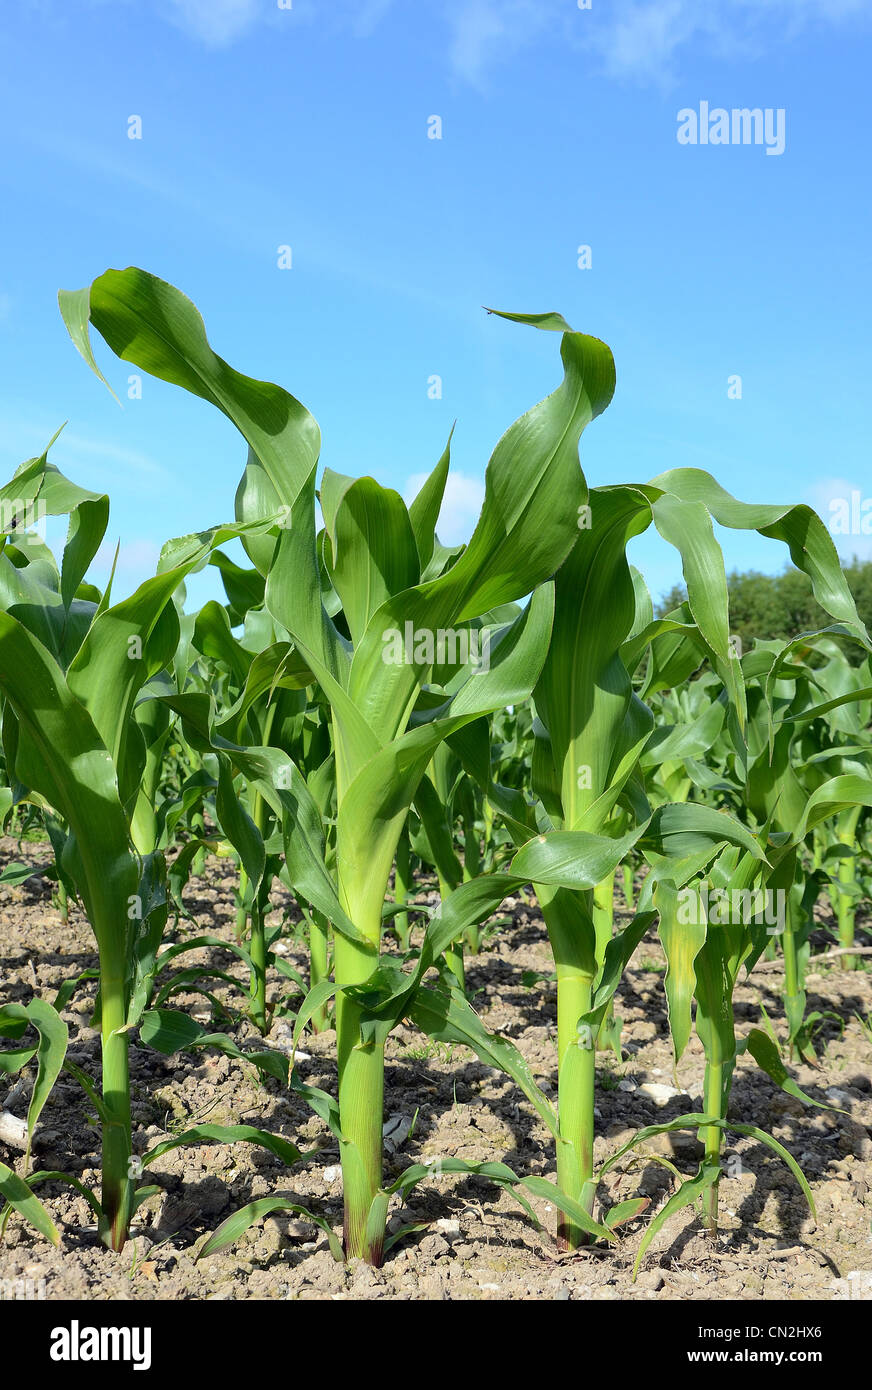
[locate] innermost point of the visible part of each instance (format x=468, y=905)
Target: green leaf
x=533, y=489
x=687, y=525
x=305, y=852
x=236, y=1225
x=375, y=554
x=451, y=1019
x=552, y=322
x=238, y=826
x=622, y=1212
x=811, y=546
x=617, y=954
x=61, y=755
x=771, y=1143
x=90, y=1090
x=22, y=1200
x=424, y=510
x=150, y=323
x=169, y=1031
x=228, y=1134
x=572, y=858
x=766, y=1055
x=505, y=1177
x=832, y=797
x=682, y=942
x=680, y=829
x=212, y=637
x=584, y=698
x=13, y=874
x=53, y=1037
x=315, y=999
x=707, y=1174
x=373, y=809
x=52, y=1175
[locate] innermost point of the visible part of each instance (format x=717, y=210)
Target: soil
x=477, y=1242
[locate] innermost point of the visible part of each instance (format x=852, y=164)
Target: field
x=476, y=1243
x=425, y=919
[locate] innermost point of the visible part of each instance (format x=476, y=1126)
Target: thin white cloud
x=216, y=22
x=106, y=464
x=643, y=38
x=484, y=33
x=624, y=38
x=129, y=461
x=630, y=38
x=461, y=505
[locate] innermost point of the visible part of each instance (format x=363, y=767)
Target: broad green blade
x=60, y=754
x=679, y=830
x=450, y=1018
x=834, y=796
x=239, y=827
x=87, y=528
x=424, y=510
x=533, y=491
x=150, y=323
x=572, y=858
x=811, y=546
x=374, y=553
x=169, y=1031
x=688, y=526
x=227, y=1134
x=584, y=693
x=682, y=935
x=236, y=1225
x=771, y=1143
x=20, y=1197
x=53, y=1038
x=686, y=1195
x=373, y=810
x=766, y=1055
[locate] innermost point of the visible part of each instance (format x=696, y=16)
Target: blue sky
x=265, y=126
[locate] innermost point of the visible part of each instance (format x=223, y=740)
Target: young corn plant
x=397, y=682
x=803, y=783
x=49, y=1054
x=710, y=930
x=593, y=731
x=590, y=733
x=721, y=924
x=265, y=706
x=71, y=672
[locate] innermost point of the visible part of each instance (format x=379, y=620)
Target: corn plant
x=801, y=779
x=367, y=698
x=393, y=701
x=705, y=948
x=589, y=736
x=593, y=732
x=50, y=1053
x=71, y=672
